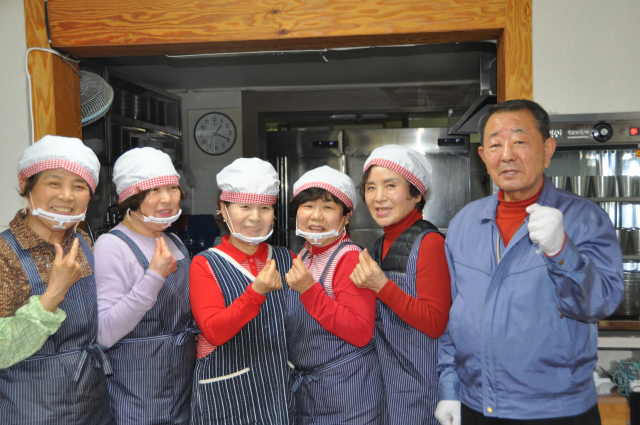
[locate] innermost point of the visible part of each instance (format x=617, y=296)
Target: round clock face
x=215, y=133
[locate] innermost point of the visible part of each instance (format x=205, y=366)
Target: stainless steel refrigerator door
x=449, y=190
x=361, y=219
x=425, y=140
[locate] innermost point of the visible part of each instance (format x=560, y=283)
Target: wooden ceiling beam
x=138, y=27
x=281, y=45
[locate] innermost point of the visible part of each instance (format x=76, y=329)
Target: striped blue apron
x=153, y=364
x=247, y=379
x=407, y=357
x=64, y=382
x=335, y=382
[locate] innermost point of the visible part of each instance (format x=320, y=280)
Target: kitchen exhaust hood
x=464, y=119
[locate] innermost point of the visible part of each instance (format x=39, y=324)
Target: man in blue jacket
x=532, y=269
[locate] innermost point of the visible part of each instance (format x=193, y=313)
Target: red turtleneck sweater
x=511, y=215
x=429, y=312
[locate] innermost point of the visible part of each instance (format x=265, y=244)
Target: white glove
x=448, y=412
x=546, y=228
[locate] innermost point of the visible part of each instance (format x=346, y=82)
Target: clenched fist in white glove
x=546, y=228
x=448, y=412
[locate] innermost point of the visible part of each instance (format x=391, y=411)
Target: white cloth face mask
x=161, y=220
x=59, y=218
x=251, y=240
x=316, y=237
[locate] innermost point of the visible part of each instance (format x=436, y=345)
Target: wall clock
x=215, y=133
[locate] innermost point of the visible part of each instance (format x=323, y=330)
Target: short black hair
x=413, y=191
x=539, y=114
x=313, y=194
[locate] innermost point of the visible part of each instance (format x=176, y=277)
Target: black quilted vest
x=398, y=255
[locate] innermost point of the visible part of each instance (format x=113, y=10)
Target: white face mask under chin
x=314, y=238
x=167, y=221
x=59, y=218
x=251, y=240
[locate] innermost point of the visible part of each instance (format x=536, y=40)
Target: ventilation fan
x=96, y=96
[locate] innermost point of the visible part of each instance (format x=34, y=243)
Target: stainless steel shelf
x=631, y=257
x=633, y=199
x=130, y=122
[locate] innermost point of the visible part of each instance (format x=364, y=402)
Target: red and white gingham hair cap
x=53, y=152
x=249, y=181
x=410, y=164
x=333, y=181
x=141, y=169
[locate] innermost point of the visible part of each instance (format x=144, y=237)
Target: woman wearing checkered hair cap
x=142, y=278
x=51, y=367
x=242, y=373
x=407, y=268
x=330, y=321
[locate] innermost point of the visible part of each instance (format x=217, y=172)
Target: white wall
x=205, y=167
x=14, y=120
x=585, y=55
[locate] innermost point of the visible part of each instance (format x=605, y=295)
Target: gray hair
x=539, y=114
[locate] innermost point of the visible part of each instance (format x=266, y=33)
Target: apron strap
x=232, y=262
x=306, y=255
x=29, y=266
x=88, y=252
x=98, y=358
x=176, y=240
x=311, y=375
x=333, y=256
x=136, y=250
x=182, y=336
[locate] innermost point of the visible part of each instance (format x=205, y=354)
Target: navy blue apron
x=247, y=379
x=64, y=382
x=335, y=382
x=153, y=364
x=408, y=358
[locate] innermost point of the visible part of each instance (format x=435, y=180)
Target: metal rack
x=166, y=136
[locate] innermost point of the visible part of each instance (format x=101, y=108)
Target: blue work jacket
x=521, y=342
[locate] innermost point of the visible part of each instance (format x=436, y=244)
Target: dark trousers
x=590, y=417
